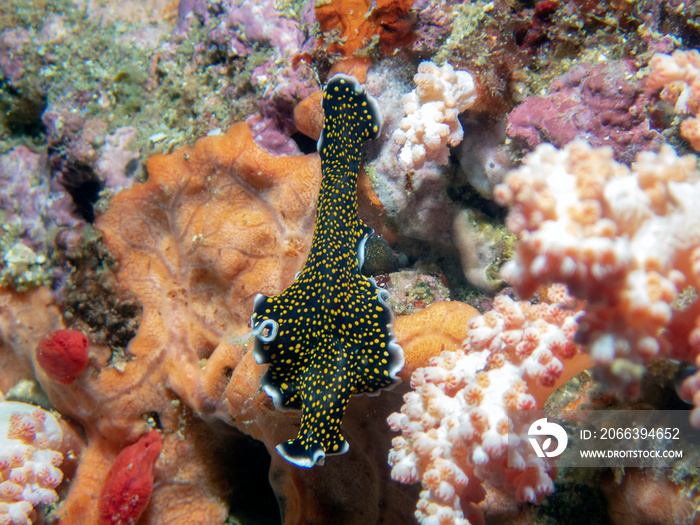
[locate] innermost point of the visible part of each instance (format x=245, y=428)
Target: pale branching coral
x=30, y=444
x=456, y=431
x=625, y=240
x=416, y=201
x=431, y=123
x=679, y=76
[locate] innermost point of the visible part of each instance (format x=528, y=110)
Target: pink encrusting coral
x=603, y=104
x=625, y=240
x=679, y=76
x=30, y=444
x=456, y=431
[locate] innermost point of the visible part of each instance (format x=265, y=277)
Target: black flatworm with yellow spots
x=328, y=335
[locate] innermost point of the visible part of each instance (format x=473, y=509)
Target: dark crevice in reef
x=250, y=498
x=81, y=182
x=91, y=299
x=305, y=144
x=21, y=111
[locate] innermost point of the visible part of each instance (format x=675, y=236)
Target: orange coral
x=224, y=213
x=353, y=66
x=24, y=319
x=356, y=24
x=308, y=115
x=213, y=225
x=425, y=334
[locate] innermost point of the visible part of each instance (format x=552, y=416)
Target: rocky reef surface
x=533, y=192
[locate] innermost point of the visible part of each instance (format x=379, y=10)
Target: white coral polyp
x=456, y=427
x=431, y=123
x=623, y=239
x=29, y=458
x=679, y=76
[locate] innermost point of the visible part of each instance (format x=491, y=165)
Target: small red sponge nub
x=63, y=355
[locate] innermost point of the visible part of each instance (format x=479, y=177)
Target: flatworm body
x=328, y=335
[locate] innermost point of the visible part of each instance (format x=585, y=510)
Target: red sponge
x=129, y=484
x=63, y=355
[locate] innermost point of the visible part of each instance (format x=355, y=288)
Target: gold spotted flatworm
x=328, y=335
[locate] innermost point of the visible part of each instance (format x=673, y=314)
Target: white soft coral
x=29, y=458
x=679, y=76
x=456, y=427
x=431, y=123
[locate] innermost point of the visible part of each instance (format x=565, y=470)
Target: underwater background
x=534, y=193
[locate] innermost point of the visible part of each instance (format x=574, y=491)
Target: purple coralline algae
x=603, y=104
x=279, y=82
x=33, y=210
x=83, y=154
x=433, y=25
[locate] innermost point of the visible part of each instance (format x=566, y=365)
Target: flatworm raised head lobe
x=328, y=335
